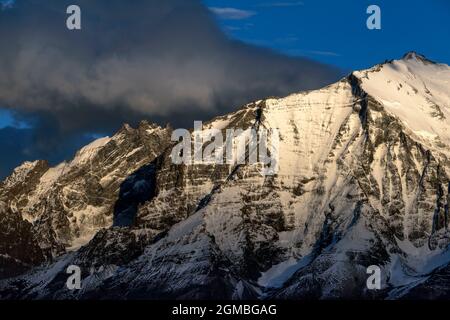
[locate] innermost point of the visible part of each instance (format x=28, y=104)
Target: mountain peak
x=362, y=165
x=145, y=124
x=412, y=55
x=126, y=128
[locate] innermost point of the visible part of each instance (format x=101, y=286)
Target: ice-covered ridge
x=415, y=90
x=308, y=124
x=86, y=153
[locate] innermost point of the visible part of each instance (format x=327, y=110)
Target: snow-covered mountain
x=363, y=180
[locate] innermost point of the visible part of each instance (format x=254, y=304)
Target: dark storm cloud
x=135, y=59
x=165, y=61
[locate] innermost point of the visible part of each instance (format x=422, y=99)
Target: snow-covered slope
x=363, y=180
x=415, y=90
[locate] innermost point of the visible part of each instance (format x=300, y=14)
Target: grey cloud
x=165, y=61
x=149, y=57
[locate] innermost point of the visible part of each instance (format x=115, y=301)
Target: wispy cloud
x=313, y=52
x=232, y=13
x=244, y=27
x=324, y=53
x=287, y=40
x=281, y=4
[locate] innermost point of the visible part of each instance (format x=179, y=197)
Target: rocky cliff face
x=363, y=180
x=68, y=204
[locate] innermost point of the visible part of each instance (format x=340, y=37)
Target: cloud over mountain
x=165, y=61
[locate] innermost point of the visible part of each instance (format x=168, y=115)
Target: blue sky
x=335, y=32
x=7, y=119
